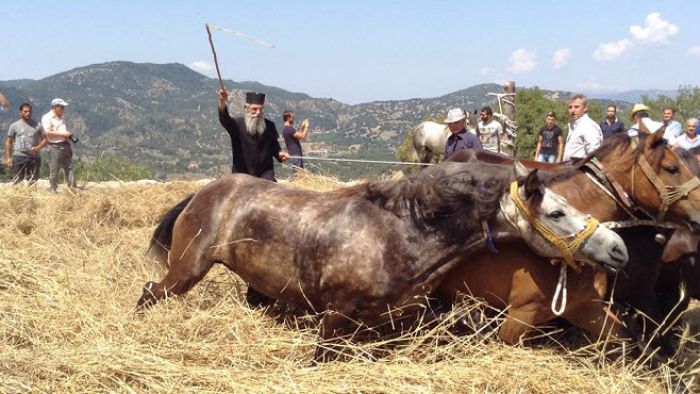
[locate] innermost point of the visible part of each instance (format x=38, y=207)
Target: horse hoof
x=257, y=299
x=147, y=297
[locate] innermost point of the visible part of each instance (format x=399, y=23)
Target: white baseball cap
x=58, y=101
x=454, y=115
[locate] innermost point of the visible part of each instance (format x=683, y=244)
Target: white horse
x=429, y=139
x=4, y=103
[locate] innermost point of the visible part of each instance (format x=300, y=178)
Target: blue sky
x=362, y=51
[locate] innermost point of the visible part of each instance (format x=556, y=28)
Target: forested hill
x=164, y=115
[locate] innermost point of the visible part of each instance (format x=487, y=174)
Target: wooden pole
x=216, y=61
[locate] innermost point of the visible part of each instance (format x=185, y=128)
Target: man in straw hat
x=253, y=138
x=460, y=138
x=584, y=135
x=639, y=111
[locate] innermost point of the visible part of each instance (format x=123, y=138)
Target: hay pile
x=71, y=269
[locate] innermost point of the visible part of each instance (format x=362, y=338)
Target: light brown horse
x=523, y=282
x=356, y=253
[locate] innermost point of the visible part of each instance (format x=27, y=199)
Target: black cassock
x=252, y=155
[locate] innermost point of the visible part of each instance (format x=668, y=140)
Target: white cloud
x=522, y=60
x=201, y=66
x=487, y=71
x=611, y=50
x=561, y=57
x=694, y=51
x=655, y=29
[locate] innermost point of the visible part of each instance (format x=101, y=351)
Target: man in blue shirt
x=673, y=127
x=460, y=138
x=611, y=126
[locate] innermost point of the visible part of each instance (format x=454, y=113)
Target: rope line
x=359, y=160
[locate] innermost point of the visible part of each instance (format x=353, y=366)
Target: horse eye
x=672, y=170
x=555, y=214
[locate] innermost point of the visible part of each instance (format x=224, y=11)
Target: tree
x=686, y=104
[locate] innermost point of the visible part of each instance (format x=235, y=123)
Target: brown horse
x=525, y=283
x=356, y=253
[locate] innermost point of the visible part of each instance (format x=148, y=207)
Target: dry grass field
x=71, y=269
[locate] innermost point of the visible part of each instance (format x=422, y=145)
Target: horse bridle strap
x=611, y=187
x=567, y=247
x=667, y=193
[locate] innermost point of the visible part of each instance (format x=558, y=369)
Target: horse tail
x=163, y=234
x=415, y=154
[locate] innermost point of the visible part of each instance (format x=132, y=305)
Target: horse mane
x=623, y=140
x=449, y=198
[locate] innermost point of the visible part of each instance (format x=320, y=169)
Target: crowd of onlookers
x=585, y=135
x=254, y=139
x=26, y=137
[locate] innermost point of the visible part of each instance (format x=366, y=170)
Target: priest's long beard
x=254, y=125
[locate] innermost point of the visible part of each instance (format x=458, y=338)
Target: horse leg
x=519, y=321
x=334, y=326
x=593, y=317
x=186, y=268
x=257, y=299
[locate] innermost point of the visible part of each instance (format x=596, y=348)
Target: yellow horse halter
x=566, y=247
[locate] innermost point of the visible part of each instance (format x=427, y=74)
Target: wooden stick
x=216, y=61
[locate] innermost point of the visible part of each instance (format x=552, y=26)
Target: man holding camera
x=60, y=152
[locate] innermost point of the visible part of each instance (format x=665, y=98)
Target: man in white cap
x=254, y=139
x=460, y=138
x=584, y=135
x=60, y=152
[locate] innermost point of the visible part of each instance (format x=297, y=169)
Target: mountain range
x=164, y=116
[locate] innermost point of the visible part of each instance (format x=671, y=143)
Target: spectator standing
x=293, y=138
x=673, y=127
x=550, y=141
x=639, y=112
x=490, y=131
x=584, y=135
x=459, y=138
x=611, y=126
x=690, y=139
x=254, y=139
x=25, y=138
x=60, y=151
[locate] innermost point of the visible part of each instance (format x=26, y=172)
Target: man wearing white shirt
x=673, y=128
x=584, y=135
x=60, y=152
x=690, y=139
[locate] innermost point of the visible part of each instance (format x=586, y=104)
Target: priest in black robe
x=254, y=139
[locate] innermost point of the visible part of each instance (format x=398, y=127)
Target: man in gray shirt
x=25, y=138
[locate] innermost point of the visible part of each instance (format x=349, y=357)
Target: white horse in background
x=4, y=103
x=429, y=139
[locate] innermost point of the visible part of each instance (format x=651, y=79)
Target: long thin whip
x=209, y=26
x=216, y=61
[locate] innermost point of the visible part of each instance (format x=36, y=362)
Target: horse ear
x=520, y=170
x=533, y=185
x=655, y=137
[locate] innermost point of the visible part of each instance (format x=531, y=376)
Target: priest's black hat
x=255, y=98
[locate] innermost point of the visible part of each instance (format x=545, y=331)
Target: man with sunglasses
x=25, y=138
